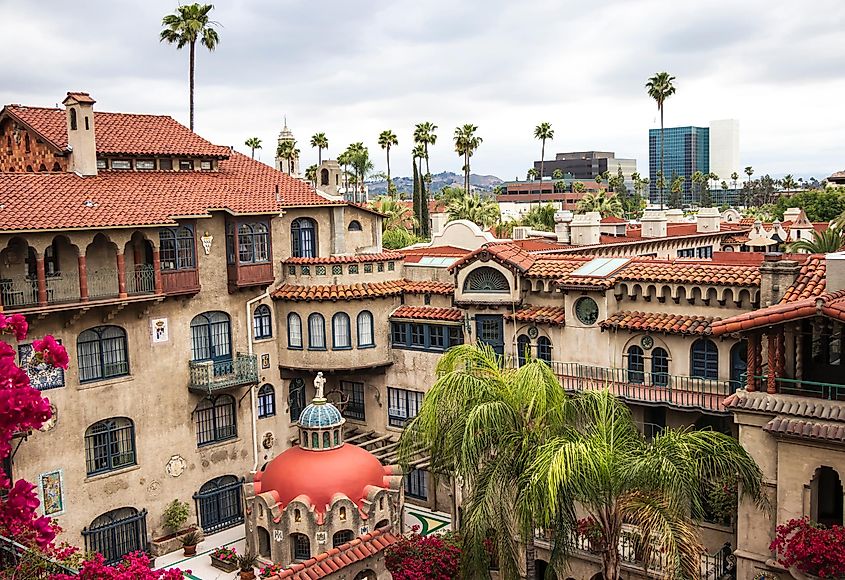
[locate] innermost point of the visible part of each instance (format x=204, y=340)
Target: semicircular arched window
x=486, y=279
x=109, y=445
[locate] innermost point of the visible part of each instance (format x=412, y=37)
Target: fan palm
x=541, y=217
x=287, y=150
x=360, y=161
x=320, y=141
x=607, y=204
x=542, y=132
x=825, y=242
x=184, y=27
x=311, y=174
x=484, y=423
x=660, y=88
x=343, y=161
x=482, y=211
x=602, y=464
x=466, y=143
x=397, y=214
x=386, y=140
x=253, y=143
x=424, y=134
x=697, y=179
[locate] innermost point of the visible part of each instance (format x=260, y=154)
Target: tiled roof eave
x=7, y=110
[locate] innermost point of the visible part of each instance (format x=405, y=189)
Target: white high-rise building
x=724, y=148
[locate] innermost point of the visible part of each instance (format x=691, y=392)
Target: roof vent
x=89, y=203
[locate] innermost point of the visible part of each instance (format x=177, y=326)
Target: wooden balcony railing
x=247, y=275
x=208, y=377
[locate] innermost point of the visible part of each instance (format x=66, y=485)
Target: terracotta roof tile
x=828, y=304
x=794, y=405
x=540, y=315
x=612, y=219
x=347, y=554
x=806, y=429
x=428, y=287
x=36, y=201
x=659, y=322
x=356, y=258
x=539, y=244
x=555, y=266
x=691, y=273
x=505, y=253
x=428, y=313
x=810, y=280
x=336, y=292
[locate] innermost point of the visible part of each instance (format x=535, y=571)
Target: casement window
x=402, y=406
x=353, y=395
x=253, y=243
x=215, y=420
x=294, y=331
x=109, y=445
x=102, y=353
x=316, y=332
x=262, y=322
x=704, y=356
x=266, y=401
x=121, y=164
x=303, y=238
x=145, y=164
x=366, y=337
x=341, y=332
x=422, y=336
x=416, y=483
x=177, y=248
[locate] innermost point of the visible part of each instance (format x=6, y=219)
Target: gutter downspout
x=252, y=394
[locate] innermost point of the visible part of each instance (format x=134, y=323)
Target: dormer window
x=73, y=119
x=205, y=165
x=186, y=165
x=102, y=164
x=145, y=164
x=121, y=164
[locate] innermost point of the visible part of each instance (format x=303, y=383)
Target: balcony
x=176, y=282
x=248, y=275
x=644, y=387
x=209, y=377
x=803, y=388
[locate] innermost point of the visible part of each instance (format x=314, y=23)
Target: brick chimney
x=776, y=276
x=834, y=271
x=79, y=113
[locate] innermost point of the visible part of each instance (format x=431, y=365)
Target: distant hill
x=405, y=185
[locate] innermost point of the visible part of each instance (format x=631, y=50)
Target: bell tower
x=286, y=139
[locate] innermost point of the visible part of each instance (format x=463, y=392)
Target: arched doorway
x=542, y=571
x=826, y=497
x=263, y=542
x=220, y=504
x=739, y=364
x=211, y=339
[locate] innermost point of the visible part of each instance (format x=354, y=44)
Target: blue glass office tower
x=686, y=150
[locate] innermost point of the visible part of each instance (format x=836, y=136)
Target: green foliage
x=825, y=242
x=417, y=197
x=633, y=206
x=175, y=515
x=557, y=174
x=607, y=204
x=396, y=213
x=483, y=211
x=397, y=238
x=192, y=538
x=819, y=205
x=541, y=217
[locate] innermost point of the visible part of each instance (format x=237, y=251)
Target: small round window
x=587, y=310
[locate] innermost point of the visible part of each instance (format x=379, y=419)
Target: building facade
x=587, y=165
x=685, y=151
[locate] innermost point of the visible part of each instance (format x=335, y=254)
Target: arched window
x=211, y=339
x=109, y=445
x=365, y=575
x=177, y=248
x=316, y=332
x=297, y=516
x=544, y=349
x=355, y=226
x=117, y=533
x=327, y=440
x=26, y=144
x=365, y=329
x=659, y=367
x=220, y=503
x=636, y=365
x=523, y=349
x=266, y=401
x=487, y=280
x=296, y=398
x=704, y=358
x=337, y=437
x=300, y=546
x=315, y=441
x=341, y=331
x=303, y=238
x=42, y=168
x=261, y=322
x=342, y=537
x=324, y=176
x=294, y=330
x=102, y=353
x=73, y=121
x=56, y=166
x=216, y=420
x=739, y=364
x=263, y=542
x=826, y=497
x=342, y=514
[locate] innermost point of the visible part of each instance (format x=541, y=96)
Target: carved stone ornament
x=321, y=537
x=51, y=422
x=206, y=240
x=484, y=256
x=268, y=441
x=176, y=466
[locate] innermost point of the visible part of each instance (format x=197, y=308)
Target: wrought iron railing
x=18, y=292
x=63, y=287
x=643, y=386
x=140, y=280
x=817, y=390
x=18, y=561
x=220, y=508
x=118, y=537
x=210, y=376
x=102, y=283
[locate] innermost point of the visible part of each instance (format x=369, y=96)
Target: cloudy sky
x=351, y=68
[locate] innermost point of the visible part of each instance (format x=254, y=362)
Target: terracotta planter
x=247, y=574
x=223, y=565
x=189, y=550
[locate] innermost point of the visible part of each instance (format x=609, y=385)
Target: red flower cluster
x=433, y=557
x=271, y=570
x=811, y=548
x=49, y=351
x=135, y=566
x=589, y=528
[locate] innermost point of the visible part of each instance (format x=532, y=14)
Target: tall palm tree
x=825, y=242
x=424, y=134
x=311, y=174
x=697, y=179
x=603, y=465
x=788, y=182
x=660, y=88
x=343, y=161
x=749, y=171
x=542, y=132
x=287, y=150
x=466, y=143
x=734, y=178
x=361, y=163
x=320, y=141
x=184, y=27
x=578, y=187
x=604, y=202
x=386, y=139
x=484, y=423
x=253, y=143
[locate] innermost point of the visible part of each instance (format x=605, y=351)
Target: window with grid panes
x=102, y=353
x=215, y=420
x=402, y=406
x=353, y=394
x=416, y=484
x=418, y=335
x=109, y=445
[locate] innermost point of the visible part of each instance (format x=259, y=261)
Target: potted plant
x=271, y=570
x=590, y=529
x=809, y=549
x=246, y=564
x=224, y=558
x=175, y=515
x=190, y=541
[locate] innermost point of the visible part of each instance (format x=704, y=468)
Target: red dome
x=320, y=475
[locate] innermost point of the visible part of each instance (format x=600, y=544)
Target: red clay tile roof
x=659, y=322
x=612, y=219
x=690, y=273
x=799, y=406
x=806, y=429
x=539, y=244
x=335, y=292
x=428, y=287
x=810, y=281
x=357, y=258
x=505, y=253
x=81, y=97
x=555, y=265
x=338, y=558
x=540, y=315
x=54, y=201
x=435, y=251
x=429, y=313
x=829, y=304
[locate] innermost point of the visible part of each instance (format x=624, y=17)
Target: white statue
x=319, y=383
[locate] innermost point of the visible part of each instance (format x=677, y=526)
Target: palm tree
x=385, y=140
x=184, y=27
x=543, y=131
x=578, y=187
x=397, y=214
x=360, y=162
x=287, y=150
x=343, y=161
x=788, y=182
x=604, y=202
x=602, y=464
x=557, y=174
x=660, y=88
x=424, y=134
x=541, y=217
x=311, y=174
x=697, y=179
x=532, y=174
x=466, y=142
x=253, y=143
x=749, y=171
x=484, y=423
x=483, y=211
x=320, y=141
x=825, y=242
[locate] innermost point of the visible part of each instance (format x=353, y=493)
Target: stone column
x=42, y=280
x=751, y=362
x=771, y=353
x=157, y=272
x=83, y=278
x=121, y=275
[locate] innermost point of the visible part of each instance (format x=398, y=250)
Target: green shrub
x=175, y=515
